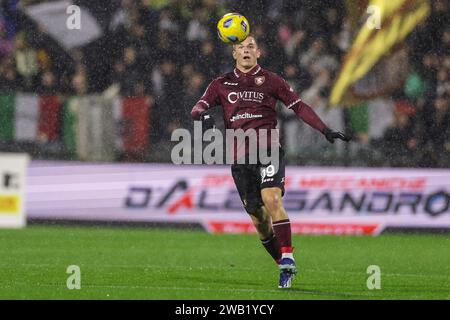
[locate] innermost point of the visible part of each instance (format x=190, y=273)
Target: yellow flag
x=389, y=23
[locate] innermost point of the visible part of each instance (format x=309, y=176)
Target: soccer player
x=248, y=96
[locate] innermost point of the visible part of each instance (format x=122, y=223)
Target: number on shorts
x=268, y=171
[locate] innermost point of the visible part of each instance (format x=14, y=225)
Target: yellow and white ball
x=233, y=28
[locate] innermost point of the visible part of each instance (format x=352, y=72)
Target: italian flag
x=29, y=117
x=132, y=116
x=70, y=124
x=83, y=122
x=88, y=126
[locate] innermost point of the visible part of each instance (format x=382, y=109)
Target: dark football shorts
x=251, y=178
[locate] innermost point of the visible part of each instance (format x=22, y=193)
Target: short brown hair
x=253, y=36
x=249, y=35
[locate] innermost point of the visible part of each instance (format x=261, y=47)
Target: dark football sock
x=282, y=230
x=272, y=247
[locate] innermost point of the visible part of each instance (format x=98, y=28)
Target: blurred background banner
x=318, y=200
x=13, y=173
x=376, y=64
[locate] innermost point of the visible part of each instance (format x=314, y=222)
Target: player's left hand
x=332, y=135
x=207, y=121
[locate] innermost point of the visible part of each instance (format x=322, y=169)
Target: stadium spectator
x=168, y=100
x=6, y=43
x=47, y=84
x=26, y=61
x=398, y=144
x=132, y=71
x=193, y=87
x=10, y=79
x=197, y=28
x=207, y=60
x=79, y=81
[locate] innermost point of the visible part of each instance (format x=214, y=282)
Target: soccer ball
x=233, y=28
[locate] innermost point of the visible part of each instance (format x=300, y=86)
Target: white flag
x=53, y=17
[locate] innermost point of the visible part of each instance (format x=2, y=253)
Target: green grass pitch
x=127, y=263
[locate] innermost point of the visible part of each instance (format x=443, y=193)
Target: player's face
x=246, y=53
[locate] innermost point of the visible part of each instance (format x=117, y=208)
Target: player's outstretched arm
x=307, y=114
x=303, y=111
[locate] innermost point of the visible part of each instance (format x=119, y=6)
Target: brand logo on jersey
x=260, y=80
x=253, y=96
x=231, y=83
x=245, y=115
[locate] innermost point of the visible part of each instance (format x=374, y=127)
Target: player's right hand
x=207, y=121
x=332, y=135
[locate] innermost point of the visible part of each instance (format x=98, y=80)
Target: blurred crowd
x=168, y=50
x=420, y=133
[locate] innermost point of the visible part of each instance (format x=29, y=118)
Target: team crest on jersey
x=260, y=80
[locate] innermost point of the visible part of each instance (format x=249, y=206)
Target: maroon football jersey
x=249, y=99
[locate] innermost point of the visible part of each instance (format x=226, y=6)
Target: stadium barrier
x=356, y=201
x=13, y=169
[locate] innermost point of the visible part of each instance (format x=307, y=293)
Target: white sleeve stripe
x=280, y=223
x=207, y=104
x=294, y=103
